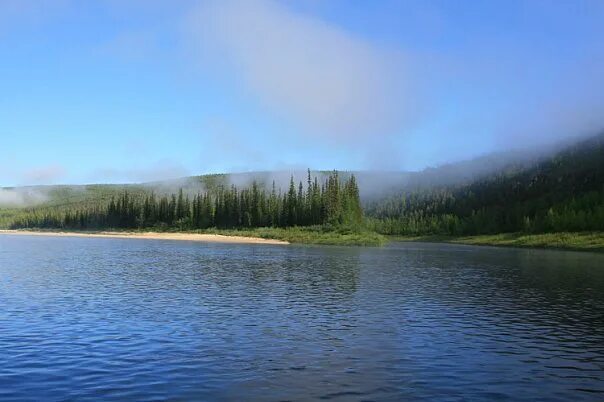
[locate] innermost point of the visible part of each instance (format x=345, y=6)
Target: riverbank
x=200, y=237
x=301, y=235
x=311, y=235
x=576, y=241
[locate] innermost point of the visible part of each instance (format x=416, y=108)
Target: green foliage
x=323, y=234
x=561, y=193
x=335, y=203
x=582, y=241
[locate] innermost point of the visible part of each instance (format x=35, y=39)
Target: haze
x=132, y=91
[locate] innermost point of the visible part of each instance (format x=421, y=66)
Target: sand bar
x=208, y=238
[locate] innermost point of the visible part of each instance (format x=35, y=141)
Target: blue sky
x=122, y=91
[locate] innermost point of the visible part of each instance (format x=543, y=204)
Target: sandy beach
x=208, y=238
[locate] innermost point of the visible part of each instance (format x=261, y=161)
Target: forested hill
x=507, y=192
x=333, y=202
x=561, y=192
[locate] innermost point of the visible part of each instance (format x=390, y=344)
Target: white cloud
x=325, y=78
x=23, y=196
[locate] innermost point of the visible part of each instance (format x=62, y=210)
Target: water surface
x=117, y=319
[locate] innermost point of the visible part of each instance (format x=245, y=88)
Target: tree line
x=564, y=192
x=335, y=202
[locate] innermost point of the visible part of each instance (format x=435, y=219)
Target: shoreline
x=566, y=241
x=197, y=237
x=265, y=235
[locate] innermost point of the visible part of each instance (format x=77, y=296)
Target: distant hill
x=559, y=188
x=556, y=192
x=373, y=184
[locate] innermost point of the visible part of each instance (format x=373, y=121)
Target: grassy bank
x=300, y=235
x=318, y=234
x=578, y=241
x=309, y=235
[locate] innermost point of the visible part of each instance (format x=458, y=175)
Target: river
x=126, y=319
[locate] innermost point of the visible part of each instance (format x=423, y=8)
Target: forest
x=563, y=192
x=334, y=202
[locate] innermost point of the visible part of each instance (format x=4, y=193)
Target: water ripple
x=116, y=319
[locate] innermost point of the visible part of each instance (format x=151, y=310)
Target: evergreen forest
x=562, y=191
x=334, y=202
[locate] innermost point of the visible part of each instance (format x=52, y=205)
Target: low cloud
x=449, y=87
x=21, y=197
x=331, y=82
x=461, y=87
x=159, y=171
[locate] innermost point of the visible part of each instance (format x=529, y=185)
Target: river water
x=122, y=319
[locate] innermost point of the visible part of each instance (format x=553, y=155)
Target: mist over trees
x=334, y=202
x=564, y=192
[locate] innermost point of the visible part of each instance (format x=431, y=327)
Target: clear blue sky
x=119, y=91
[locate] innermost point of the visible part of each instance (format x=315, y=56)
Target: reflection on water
x=142, y=319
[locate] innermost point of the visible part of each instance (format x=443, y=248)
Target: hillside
x=561, y=192
x=559, y=189
x=21, y=201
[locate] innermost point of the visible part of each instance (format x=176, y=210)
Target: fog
x=22, y=196
x=385, y=86
x=384, y=104
x=373, y=184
